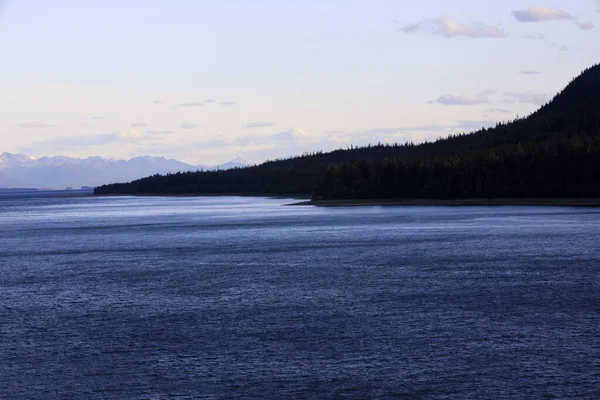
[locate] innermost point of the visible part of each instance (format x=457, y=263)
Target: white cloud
x=463, y=99
x=530, y=72
x=526, y=97
x=159, y=132
x=63, y=144
x=537, y=36
x=286, y=138
x=228, y=103
x=251, y=125
x=392, y=131
x=130, y=134
x=541, y=14
x=139, y=125
x=541, y=37
x=450, y=29
x=474, y=125
x=294, y=134
x=191, y=104
x=36, y=125
x=187, y=125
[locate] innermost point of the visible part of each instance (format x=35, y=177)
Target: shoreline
x=305, y=200
x=549, y=202
x=265, y=195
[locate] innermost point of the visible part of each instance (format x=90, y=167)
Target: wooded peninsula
x=553, y=153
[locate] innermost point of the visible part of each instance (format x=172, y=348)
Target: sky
x=205, y=81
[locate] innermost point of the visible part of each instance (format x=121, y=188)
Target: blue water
x=152, y=298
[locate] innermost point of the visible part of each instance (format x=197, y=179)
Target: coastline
x=550, y=202
x=266, y=195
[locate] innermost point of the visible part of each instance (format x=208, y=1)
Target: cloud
x=382, y=134
x=530, y=72
x=392, y=131
x=139, y=125
x=159, y=132
x=542, y=37
x=525, y=97
x=228, y=104
x=536, y=14
x=451, y=29
x=474, y=125
x=130, y=134
x=293, y=134
x=76, y=142
x=187, y=125
x=210, y=101
x=537, y=36
x=463, y=99
x=191, y=104
x=541, y=14
x=498, y=110
x=251, y=125
x=158, y=102
x=36, y=125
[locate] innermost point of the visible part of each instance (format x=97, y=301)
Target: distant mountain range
x=60, y=172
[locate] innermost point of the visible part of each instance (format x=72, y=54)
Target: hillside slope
x=516, y=159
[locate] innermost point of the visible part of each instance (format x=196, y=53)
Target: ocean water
x=154, y=298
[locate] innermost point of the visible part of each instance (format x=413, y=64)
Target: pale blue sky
x=206, y=81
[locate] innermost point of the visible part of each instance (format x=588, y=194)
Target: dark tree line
x=553, y=152
x=557, y=168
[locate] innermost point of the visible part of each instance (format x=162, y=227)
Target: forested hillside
x=555, y=152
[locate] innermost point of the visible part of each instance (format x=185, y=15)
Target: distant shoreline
x=266, y=195
x=564, y=202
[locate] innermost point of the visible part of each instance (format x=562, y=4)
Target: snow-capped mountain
x=20, y=170
x=237, y=162
x=10, y=160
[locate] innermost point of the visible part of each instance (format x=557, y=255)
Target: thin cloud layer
x=474, y=125
x=187, y=125
x=541, y=14
x=526, y=97
x=463, y=99
x=530, y=72
x=139, y=125
x=159, y=132
x=81, y=142
x=36, y=125
x=451, y=29
x=541, y=37
x=252, y=125
x=497, y=110
x=191, y=104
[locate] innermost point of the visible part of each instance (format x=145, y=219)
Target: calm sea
x=153, y=298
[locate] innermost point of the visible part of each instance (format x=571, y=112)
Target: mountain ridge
x=59, y=172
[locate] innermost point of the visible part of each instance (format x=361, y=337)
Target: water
x=152, y=298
